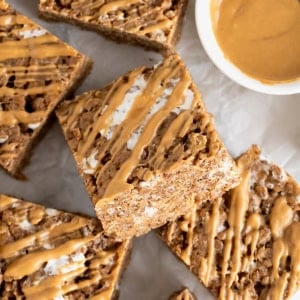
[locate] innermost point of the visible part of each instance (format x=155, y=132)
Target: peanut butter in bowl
x=260, y=37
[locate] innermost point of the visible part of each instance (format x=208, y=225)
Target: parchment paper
x=242, y=117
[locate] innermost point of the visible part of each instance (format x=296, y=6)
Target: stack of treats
x=150, y=158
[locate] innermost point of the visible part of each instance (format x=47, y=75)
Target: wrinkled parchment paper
x=242, y=117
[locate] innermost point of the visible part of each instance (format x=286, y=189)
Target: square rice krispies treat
x=145, y=146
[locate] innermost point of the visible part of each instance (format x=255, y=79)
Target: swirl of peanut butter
x=260, y=37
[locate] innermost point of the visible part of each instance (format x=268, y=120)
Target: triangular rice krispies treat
x=36, y=71
x=152, y=24
x=246, y=244
x=50, y=254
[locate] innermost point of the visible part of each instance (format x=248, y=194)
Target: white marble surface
x=242, y=117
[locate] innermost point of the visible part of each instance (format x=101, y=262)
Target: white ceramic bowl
x=211, y=46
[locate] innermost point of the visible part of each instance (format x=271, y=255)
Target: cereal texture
x=244, y=245
x=145, y=145
x=154, y=24
x=50, y=254
x=36, y=71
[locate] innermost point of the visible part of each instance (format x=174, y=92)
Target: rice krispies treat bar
x=152, y=24
x=145, y=145
x=36, y=71
x=50, y=254
x=246, y=244
x=185, y=294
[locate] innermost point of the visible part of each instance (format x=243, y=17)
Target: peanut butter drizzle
x=181, y=124
x=239, y=203
x=133, y=24
x=292, y=242
x=3, y=5
x=83, y=284
x=184, y=295
x=286, y=242
x=253, y=224
x=286, y=235
x=31, y=41
x=45, y=45
x=281, y=216
x=134, y=118
x=8, y=151
x=7, y=156
x=157, y=26
x=38, y=47
x=88, y=4
x=107, y=13
x=114, y=5
x=39, y=237
x=51, y=287
x=14, y=117
x=50, y=90
x=277, y=292
x=6, y=201
x=208, y=264
x=102, y=123
x=29, y=74
x=32, y=262
x=102, y=259
x=142, y=104
x=179, y=127
x=62, y=282
x=136, y=115
x=15, y=20
x=36, y=215
x=115, y=97
x=188, y=225
x=116, y=272
x=170, y=231
x=74, y=110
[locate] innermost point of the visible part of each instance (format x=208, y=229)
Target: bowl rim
x=213, y=50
